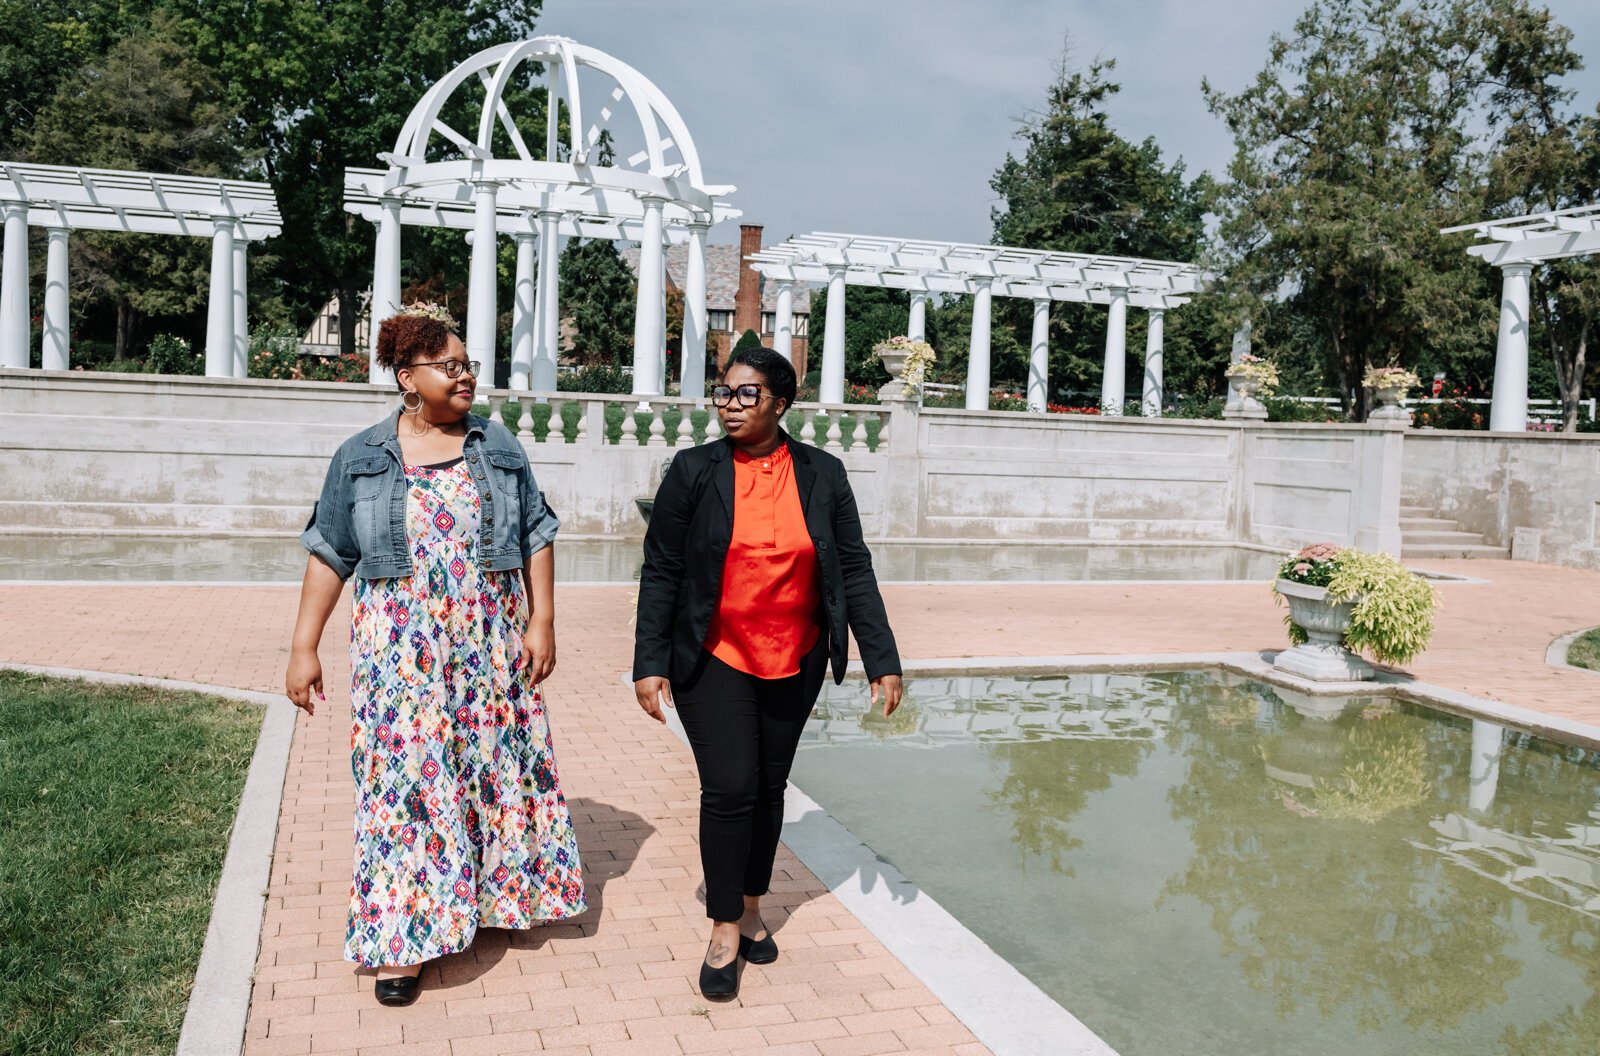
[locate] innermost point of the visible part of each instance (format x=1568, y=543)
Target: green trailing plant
x=1393, y=616
x=1390, y=774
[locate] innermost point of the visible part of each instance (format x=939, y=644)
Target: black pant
x=744, y=731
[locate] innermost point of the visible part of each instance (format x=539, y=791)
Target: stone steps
x=1423, y=552
x=1456, y=538
x=1425, y=535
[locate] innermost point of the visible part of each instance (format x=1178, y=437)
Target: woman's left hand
x=892, y=688
x=539, y=650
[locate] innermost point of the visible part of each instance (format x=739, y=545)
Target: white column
x=831, y=389
x=917, y=330
x=482, y=277
x=978, y=350
x=57, y=325
x=783, y=327
x=523, y=315
x=1154, y=390
x=1114, y=380
x=662, y=350
x=693, y=370
x=547, y=347
x=241, y=305
x=219, y=314
x=14, y=332
x=385, y=280
x=647, y=333
x=1039, y=357
x=1508, y=403
x=1488, y=743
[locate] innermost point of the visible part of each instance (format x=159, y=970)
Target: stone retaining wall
x=107, y=452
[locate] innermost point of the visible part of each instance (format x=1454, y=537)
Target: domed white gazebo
x=440, y=177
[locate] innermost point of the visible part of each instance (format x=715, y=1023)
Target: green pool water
x=1197, y=864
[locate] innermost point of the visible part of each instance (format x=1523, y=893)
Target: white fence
x=1541, y=411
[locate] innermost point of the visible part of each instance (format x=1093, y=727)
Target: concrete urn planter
x=897, y=389
x=1323, y=658
x=1244, y=403
x=1388, y=407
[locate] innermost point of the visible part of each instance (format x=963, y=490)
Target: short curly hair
x=404, y=339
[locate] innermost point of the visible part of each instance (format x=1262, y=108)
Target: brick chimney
x=747, y=302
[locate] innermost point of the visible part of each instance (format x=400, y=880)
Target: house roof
x=722, y=277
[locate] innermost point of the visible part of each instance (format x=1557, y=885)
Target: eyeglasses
x=749, y=395
x=453, y=368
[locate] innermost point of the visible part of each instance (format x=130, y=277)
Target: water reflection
x=279, y=559
x=1193, y=864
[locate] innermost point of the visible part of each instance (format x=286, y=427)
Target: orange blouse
x=770, y=613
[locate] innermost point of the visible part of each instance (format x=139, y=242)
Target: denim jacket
x=358, y=525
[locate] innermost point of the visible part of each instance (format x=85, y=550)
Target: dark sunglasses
x=453, y=368
x=749, y=395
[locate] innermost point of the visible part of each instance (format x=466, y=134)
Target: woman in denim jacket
x=460, y=821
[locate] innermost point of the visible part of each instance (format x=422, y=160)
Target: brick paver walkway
x=621, y=979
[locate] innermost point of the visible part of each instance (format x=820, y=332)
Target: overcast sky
x=888, y=117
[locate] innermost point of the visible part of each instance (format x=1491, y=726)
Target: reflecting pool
x=279, y=559
x=1198, y=864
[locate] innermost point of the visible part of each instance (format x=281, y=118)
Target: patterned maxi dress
x=460, y=821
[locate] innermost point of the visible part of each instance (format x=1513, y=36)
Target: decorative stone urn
x=894, y=361
x=1323, y=658
x=1244, y=404
x=1388, y=408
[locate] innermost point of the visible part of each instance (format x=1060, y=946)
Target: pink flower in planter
x=1302, y=567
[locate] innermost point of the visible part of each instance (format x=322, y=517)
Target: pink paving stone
x=633, y=793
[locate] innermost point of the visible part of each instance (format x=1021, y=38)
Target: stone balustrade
x=670, y=421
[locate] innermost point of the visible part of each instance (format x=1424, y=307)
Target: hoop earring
x=406, y=408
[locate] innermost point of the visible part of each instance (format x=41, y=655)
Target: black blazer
x=686, y=545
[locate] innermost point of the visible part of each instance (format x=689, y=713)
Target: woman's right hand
x=652, y=693
x=303, y=677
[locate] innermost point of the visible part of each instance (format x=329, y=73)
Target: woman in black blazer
x=754, y=567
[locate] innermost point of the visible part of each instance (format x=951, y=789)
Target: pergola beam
x=985, y=272
x=136, y=222
x=61, y=199
x=945, y=282
x=1515, y=245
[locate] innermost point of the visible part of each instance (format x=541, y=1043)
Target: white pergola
x=1515, y=245
x=985, y=272
x=654, y=196
x=232, y=213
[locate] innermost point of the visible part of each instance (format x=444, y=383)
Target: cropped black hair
x=776, y=371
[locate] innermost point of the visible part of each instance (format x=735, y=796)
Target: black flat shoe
x=758, y=951
x=399, y=991
x=720, y=982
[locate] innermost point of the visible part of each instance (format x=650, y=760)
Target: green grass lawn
x=1585, y=650
x=116, y=803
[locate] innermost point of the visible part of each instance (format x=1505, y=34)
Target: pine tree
x=597, y=293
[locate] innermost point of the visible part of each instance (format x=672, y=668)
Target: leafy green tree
x=1079, y=187
x=747, y=340
x=1353, y=147
x=147, y=104
x=597, y=292
x=44, y=42
x=325, y=84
